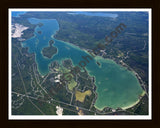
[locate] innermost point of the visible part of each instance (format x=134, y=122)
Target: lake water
x=17, y=13
x=102, y=14
x=116, y=86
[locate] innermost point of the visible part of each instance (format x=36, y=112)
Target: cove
x=116, y=86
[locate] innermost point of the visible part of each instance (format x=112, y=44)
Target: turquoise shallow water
x=116, y=86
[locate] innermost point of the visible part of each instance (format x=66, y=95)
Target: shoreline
x=126, y=107
x=123, y=65
x=132, y=105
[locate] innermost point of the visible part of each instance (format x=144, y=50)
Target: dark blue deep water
x=102, y=14
x=17, y=13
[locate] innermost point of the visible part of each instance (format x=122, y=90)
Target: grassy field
x=72, y=84
x=80, y=96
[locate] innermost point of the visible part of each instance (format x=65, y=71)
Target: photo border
x=84, y=117
x=153, y=4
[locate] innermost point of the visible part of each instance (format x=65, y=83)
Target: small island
x=49, y=51
x=40, y=24
x=98, y=64
x=39, y=32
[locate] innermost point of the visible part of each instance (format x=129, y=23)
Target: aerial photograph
x=79, y=63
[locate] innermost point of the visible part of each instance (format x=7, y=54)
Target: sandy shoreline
x=132, y=105
x=127, y=107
